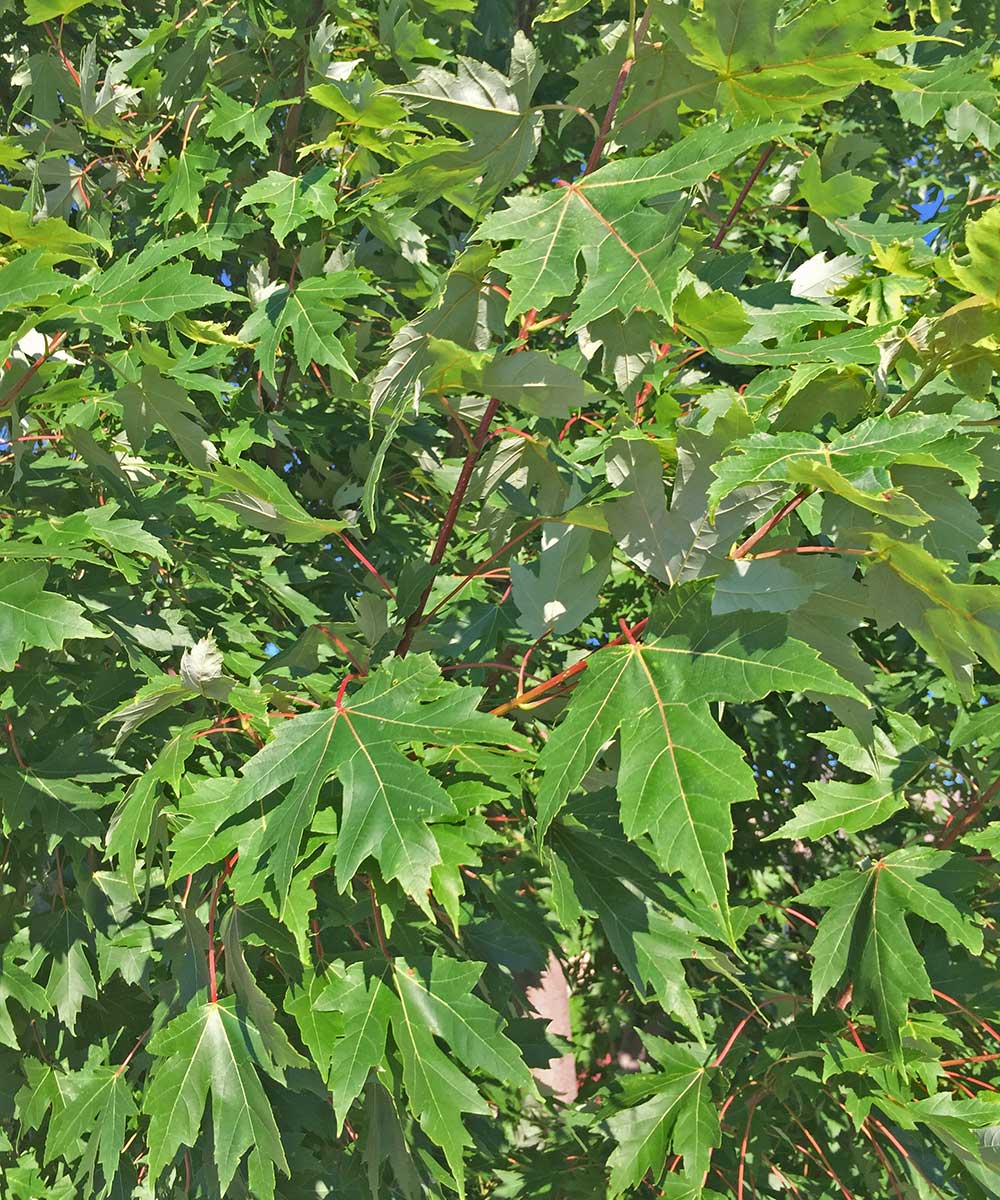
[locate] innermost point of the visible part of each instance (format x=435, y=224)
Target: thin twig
x=480, y=570
x=636, y=36
x=133, y=1052
x=526, y=699
x=213, y=989
x=738, y=203
x=962, y=821
x=365, y=563
x=810, y=550
x=383, y=944
x=415, y=618
x=16, y=389
x=923, y=379
x=786, y=510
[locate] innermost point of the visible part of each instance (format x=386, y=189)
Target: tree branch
x=758, y=534
x=636, y=36
x=738, y=204
x=479, y=439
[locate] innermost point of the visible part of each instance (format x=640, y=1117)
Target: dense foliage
x=499, y=493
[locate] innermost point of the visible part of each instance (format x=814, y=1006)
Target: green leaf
x=978, y=271
x=231, y=119
x=211, y=1049
x=489, y=108
x=97, y=1105
x=133, y=818
x=603, y=212
x=438, y=1093
x=17, y=984
x=291, y=200
x=27, y=280
x=561, y=590
x=680, y=774
x=312, y=312
x=127, y=292
x=955, y=623
x=601, y=873
x=31, y=616
x=679, y=1118
x=850, y=460
x=899, y=760
x=388, y=799
x=768, y=66
x=987, y=839
x=865, y=932
x=534, y=383
x=345, y=1023
x=262, y=500
x=458, y=315
x=841, y=195
x=157, y=400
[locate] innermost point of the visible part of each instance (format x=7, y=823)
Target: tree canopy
x=494, y=487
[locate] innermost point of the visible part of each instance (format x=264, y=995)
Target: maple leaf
x=388, y=799
x=678, y=1117
x=865, y=928
x=312, y=312
x=863, y=454
x=767, y=66
x=211, y=1049
x=898, y=761
x=89, y=1124
x=291, y=200
x=679, y=774
x=492, y=109
x=156, y=400
x=601, y=218
x=31, y=616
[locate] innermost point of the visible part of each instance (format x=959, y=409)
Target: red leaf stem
x=738, y=203
x=758, y=534
x=369, y=567
x=415, y=619
x=213, y=988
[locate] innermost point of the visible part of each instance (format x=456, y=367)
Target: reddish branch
x=12, y=394
x=645, y=391
x=383, y=944
x=812, y=550
x=479, y=439
x=368, y=566
x=971, y=1015
x=481, y=570
x=961, y=822
x=57, y=44
x=213, y=989
x=741, y=198
x=616, y=96
x=557, y=681
x=133, y=1052
x=13, y=743
x=759, y=534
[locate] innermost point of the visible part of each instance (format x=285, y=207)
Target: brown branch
x=383, y=944
x=758, y=534
x=480, y=570
x=557, y=681
x=368, y=566
x=479, y=439
x=962, y=821
x=810, y=550
x=616, y=95
x=16, y=389
x=213, y=989
x=738, y=204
